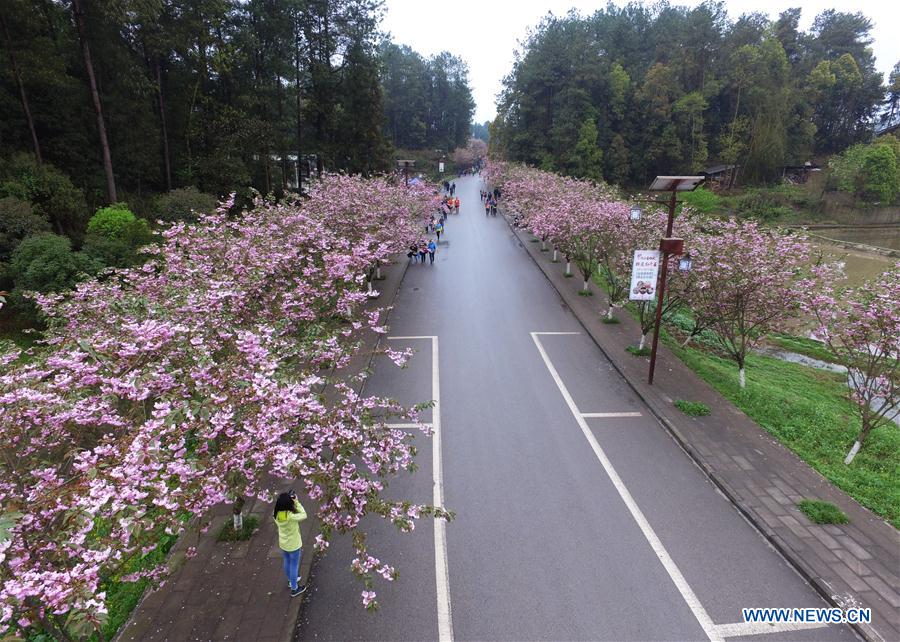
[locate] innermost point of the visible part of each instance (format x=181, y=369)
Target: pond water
x=859, y=266
x=887, y=237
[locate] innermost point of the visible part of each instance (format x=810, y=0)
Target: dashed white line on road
x=740, y=629
x=668, y=563
x=610, y=414
x=441, y=567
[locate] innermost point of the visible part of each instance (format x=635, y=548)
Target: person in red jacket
x=456, y=204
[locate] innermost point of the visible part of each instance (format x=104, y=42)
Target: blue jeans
x=292, y=565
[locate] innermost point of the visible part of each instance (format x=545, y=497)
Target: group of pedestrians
x=490, y=202
x=450, y=188
x=419, y=251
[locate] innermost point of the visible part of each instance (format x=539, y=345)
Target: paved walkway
x=238, y=591
x=578, y=517
x=855, y=564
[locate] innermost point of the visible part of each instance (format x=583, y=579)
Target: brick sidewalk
x=238, y=591
x=855, y=564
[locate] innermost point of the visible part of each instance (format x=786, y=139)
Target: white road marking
x=441, y=567
x=668, y=563
x=610, y=414
x=405, y=426
x=761, y=628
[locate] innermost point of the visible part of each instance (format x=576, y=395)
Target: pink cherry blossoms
x=861, y=326
x=168, y=388
x=745, y=281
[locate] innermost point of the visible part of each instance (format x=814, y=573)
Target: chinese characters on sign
x=644, y=270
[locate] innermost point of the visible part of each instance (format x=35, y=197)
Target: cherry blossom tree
x=166, y=389
x=474, y=150
x=748, y=281
x=861, y=327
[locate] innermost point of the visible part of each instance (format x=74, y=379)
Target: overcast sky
x=485, y=33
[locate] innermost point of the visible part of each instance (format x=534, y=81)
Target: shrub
x=880, y=174
x=703, y=200
x=51, y=193
x=17, y=221
x=114, y=234
x=763, y=205
x=868, y=171
x=184, y=204
x=692, y=408
x=46, y=263
x=112, y=222
x=638, y=352
x=820, y=512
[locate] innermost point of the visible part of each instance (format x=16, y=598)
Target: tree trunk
x=609, y=313
x=23, y=96
x=856, y=446
x=555, y=256
x=543, y=246
x=297, y=37
x=643, y=341
x=568, y=267
x=584, y=288
x=164, y=131
x=237, y=515
x=78, y=12
x=742, y=379
x=279, y=93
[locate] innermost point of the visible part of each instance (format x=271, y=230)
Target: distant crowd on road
x=426, y=248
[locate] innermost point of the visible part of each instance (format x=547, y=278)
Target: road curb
x=819, y=584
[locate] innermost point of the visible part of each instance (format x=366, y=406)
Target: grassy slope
x=807, y=410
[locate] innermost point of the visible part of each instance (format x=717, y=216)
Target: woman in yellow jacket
x=288, y=514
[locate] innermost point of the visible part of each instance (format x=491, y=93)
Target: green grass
x=610, y=320
x=585, y=293
x=692, y=408
x=228, y=534
x=822, y=512
x=638, y=352
x=569, y=275
x=122, y=597
x=801, y=345
x=808, y=411
x=535, y=240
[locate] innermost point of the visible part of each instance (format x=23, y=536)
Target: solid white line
x=556, y=333
x=610, y=414
x=681, y=584
x=408, y=425
x=761, y=628
x=441, y=566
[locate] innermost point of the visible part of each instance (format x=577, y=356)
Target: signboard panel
x=644, y=274
x=441, y=167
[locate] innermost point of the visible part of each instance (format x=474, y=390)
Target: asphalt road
x=548, y=543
